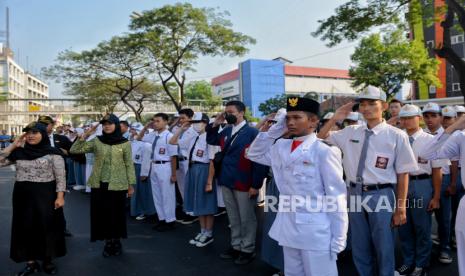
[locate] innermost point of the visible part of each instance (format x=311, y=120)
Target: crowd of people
x=349, y=182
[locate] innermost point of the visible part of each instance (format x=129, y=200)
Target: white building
x=18, y=85
x=256, y=81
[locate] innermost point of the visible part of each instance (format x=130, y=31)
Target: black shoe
x=221, y=211
x=117, y=247
x=68, y=234
x=49, y=268
x=167, y=226
x=405, y=269
x=107, y=249
x=229, y=254
x=189, y=220
x=158, y=224
x=245, y=258
x=30, y=268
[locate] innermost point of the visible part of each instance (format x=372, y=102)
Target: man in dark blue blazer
x=240, y=179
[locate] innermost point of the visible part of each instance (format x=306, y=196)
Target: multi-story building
x=256, y=81
x=18, y=85
x=433, y=36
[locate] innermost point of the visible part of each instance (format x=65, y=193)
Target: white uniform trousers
x=460, y=236
x=181, y=174
x=298, y=262
x=163, y=191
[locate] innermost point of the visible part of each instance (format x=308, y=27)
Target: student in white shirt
x=162, y=171
x=377, y=159
x=423, y=197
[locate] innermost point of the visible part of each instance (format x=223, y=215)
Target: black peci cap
x=303, y=104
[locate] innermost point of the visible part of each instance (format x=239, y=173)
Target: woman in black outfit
x=37, y=228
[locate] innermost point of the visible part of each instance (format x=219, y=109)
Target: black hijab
x=114, y=138
x=31, y=152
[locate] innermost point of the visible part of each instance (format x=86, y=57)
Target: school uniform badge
x=381, y=162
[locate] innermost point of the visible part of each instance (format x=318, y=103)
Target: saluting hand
x=19, y=141
x=89, y=132
x=343, y=111
x=219, y=119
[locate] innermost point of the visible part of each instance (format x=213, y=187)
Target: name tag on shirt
x=422, y=161
x=199, y=153
x=161, y=151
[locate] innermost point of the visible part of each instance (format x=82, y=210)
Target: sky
x=40, y=29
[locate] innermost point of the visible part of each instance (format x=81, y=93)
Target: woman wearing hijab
x=38, y=197
x=111, y=179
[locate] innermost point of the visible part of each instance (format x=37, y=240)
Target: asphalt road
x=146, y=252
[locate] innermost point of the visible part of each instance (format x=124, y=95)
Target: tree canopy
x=175, y=36
x=357, y=19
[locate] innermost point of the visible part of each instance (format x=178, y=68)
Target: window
x=430, y=44
x=456, y=39
x=456, y=87
x=432, y=89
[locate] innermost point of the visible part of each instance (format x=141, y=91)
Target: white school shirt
x=387, y=144
x=52, y=141
x=137, y=148
x=201, y=152
x=421, y=139
x=446, y=162
x=163, y=150
x=446, y=146
x=184, y=142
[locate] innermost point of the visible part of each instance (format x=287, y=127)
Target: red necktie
x=295, y=144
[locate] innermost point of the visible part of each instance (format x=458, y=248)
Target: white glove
x=277, y=130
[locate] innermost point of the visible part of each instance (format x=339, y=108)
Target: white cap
x=409, y=110
x=197, y=116
x=372, y=93
x=432, y=107
x=353, y=116
x=328, y=116
x=460, y=109
x=449, y=111
x=79, y=131
x=137, y=126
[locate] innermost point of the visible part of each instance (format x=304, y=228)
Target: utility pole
x=7, y=27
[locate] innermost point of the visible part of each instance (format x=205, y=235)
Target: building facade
x=18, y=86
x=256, y=81
x=433, y=37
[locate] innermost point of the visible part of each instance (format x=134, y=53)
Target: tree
x=116, y=67
x=3, y=92
x=355, y=19
x=202, y=90
x=387, y=62
x=176, y=35
x=272, y=105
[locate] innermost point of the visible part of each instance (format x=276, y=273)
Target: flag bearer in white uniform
x=423, y=197
x=377, y=161
x=162, y=171
x=186, y=136
x=448, y=145
x=306, y=171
